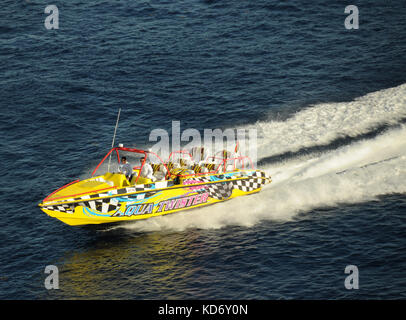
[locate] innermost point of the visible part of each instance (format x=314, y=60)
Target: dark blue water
x=209, y=64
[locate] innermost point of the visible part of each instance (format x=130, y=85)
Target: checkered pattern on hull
x=102, y=205
x=255, y=181
x=108, y=204
x=67, y=208
x=219, y=191
x=223, y=190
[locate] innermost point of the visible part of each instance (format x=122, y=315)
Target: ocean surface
x=329, y=106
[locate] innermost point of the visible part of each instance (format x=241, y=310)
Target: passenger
x=185, y=163
x=126, y=168
x=175, y=165
x=189, y=163
x=146, y=171
x=160, y=174
x=198, y=154
x=227, y=157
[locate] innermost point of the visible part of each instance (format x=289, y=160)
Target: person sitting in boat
x=186, y=163
x=160, y=174
x=228, y=157
x=198, y=155
x=125, y=168
x=147, y=171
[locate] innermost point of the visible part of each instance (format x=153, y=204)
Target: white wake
x=323, y=123
x=354, y=173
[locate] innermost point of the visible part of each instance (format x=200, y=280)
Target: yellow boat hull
x=81, y=214
x=147, y=201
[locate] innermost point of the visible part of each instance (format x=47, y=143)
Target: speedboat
x=177, y=184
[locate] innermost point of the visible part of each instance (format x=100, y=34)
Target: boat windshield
x=137, y=158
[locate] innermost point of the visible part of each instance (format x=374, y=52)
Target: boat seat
x=170, y=165
x=182, y=163
x=141, y=180
x=118, y=179
x=155, y=167
x=210, y=166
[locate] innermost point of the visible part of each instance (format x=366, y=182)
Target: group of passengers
x=197, y=164
x=146, y=170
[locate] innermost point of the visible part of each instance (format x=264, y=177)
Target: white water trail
x=323, y=123
x=354, y=173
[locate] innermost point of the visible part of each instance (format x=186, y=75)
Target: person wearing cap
x=126, y=168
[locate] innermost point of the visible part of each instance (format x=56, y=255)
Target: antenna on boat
x=114, y=138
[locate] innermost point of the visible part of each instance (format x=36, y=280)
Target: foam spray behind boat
x=362, y=169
